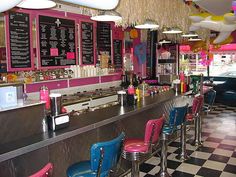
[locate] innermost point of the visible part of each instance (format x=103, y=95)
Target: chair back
x=105, y=155
x=177, y=115
x=153, y=130
x=210, y=97
x=46, y=171
x=197, y=104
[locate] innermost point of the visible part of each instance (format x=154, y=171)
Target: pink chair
x=46, y=171
x=136, y=150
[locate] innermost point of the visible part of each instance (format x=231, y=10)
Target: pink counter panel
x=110, y=78
x=52, y=85
x=83, y=81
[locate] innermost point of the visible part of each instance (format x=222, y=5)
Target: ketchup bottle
x=44, y=96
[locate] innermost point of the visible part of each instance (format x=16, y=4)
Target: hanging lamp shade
x=148, y=24
x=164, y=41
x=8, y=4
x=107, y=16
x=190, y=34
x=97, y=4
x=37, y=4
x=174, y=30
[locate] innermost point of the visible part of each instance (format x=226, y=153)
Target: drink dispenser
x=57, y=119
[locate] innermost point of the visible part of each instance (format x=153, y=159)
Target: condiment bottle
x=44, y=96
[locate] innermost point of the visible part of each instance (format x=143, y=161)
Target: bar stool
x=194, y=115
x=209, y=100
x=176, y=119
x=136, y=150
x=46, y=171
x=103, y=157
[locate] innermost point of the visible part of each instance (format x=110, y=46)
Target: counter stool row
x=104, y=156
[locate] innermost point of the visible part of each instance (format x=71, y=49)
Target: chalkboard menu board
x=57, y=41
x=117, y=53
x=19, y=41
x=87, y=49
x=103, y=37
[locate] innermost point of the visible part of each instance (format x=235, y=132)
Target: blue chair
x=209, y=101
x=103, y=157
x=176, y=120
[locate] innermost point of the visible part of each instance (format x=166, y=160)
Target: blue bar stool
x=136, y=150
x=103, y=157
x=176, y=120
x=209, y=100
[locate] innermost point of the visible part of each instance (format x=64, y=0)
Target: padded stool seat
x=82, y=169
x=135, y=145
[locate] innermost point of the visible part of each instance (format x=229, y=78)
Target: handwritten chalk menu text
x=117, y=53
x=104, y=38
x=87, y=48
x=57, y=41
x=19, y=40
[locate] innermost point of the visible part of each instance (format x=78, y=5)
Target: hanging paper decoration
x=234, y=7
x=206, y=58
x=133, y=33
x=140, y=52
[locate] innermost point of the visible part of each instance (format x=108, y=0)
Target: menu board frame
x=94, y=41
x=38, y=40
x=8, y=48
x=121, y=52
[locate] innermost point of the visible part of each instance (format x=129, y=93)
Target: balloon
x=97, y=4
x=8, y=4
x=225, y=25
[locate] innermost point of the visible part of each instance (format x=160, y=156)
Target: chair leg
x=197, y=136
x=135, y=169
x=163, y=171
x=183, y=153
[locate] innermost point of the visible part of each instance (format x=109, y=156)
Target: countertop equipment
x=57, y=120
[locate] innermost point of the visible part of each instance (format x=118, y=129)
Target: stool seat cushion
x=189, y=117
x=135, y=145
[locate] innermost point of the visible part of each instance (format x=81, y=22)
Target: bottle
x=44, y=96
x=137, y=92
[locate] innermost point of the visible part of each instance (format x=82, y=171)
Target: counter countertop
x=80, y=124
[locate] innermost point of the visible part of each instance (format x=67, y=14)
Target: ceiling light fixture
x=172, y=31
x=107, y=16
x=164, y=41
x=37, y=4
x=194, y=39
x=190, y=34
x=148, y=24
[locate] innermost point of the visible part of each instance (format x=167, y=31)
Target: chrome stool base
x=135, y=169
x=183, y=153
x=197, y=136
x=182, y=157
x=163, y=174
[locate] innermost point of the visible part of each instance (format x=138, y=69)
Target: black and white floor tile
x=217, y=156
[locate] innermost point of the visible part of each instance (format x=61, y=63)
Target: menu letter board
x=87, y=49
x=104, y=37
x=19, y=46
x=57, y=41
x=117, y=53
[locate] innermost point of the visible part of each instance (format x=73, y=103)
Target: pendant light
x=174, y=30
x=164, y=41
x=36, y=4
x=194, y=39
x=7, y=5
x=107, y=16
x=190, y=34
x=148, y=24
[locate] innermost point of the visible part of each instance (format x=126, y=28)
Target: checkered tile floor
x=217, y=156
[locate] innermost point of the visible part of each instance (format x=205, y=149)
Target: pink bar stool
x=136, y=150
x=46, y=171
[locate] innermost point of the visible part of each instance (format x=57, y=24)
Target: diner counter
x=71, y=144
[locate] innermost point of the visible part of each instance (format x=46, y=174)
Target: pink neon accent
x=44, y=172
x=135, y=145
x=70, y=55
x=54, y=51
x=234, y=7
